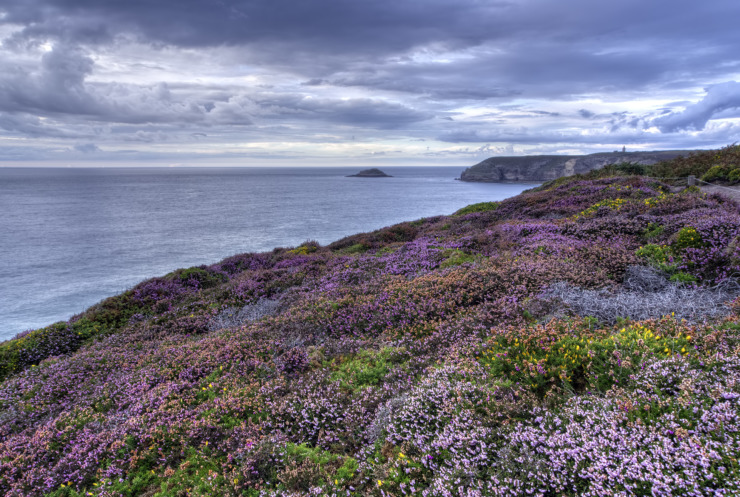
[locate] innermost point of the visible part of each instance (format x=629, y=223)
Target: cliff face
x=549, y=167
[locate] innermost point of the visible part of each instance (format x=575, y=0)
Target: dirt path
x=728, y=191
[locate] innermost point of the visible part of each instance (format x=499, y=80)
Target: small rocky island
x=370, y=173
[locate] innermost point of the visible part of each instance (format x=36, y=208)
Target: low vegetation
x=713, y=166
x=582, y=338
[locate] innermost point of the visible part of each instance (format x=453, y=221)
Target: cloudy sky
x=377, y=82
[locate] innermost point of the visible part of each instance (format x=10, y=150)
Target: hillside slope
x=578, y=339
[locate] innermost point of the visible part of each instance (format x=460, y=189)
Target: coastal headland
x=549, y=167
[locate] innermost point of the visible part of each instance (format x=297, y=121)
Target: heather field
x=582, y=338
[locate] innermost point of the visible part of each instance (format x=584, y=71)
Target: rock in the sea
x=549, y=167
x=370, y=173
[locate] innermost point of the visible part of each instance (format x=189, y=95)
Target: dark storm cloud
x=313, y=24
x=719, y=98
x=380, y=26
x=548, y=44
x=404, y=65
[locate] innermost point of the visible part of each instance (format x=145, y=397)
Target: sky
x=361, y=82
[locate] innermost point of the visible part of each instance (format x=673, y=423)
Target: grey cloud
x=374, y=113
x=365, y=112
x=536, y=46
x=313, y=82
x=22, y=153
x=59, y=87
x=27, y=125
x=719, y=98
x=545, y=67
x=313, y=24
x=527, y=136
x=87, y=148
x=146, y=137
x=435, y=86
x=268, y=70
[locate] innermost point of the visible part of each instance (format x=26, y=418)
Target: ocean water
x=72, y=237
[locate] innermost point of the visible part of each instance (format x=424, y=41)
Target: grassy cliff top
x=581, y=338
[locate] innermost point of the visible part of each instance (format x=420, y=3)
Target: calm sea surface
x=72, y=237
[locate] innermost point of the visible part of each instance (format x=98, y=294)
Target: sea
x=71, y=237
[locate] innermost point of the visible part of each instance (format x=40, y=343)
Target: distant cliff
x=549, y=167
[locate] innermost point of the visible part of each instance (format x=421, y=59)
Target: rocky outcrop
x=370, y=173
x=549, y=167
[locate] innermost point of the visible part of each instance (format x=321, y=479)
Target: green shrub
x=688, y=237
x=479, y=207
x=456, y=257
x=386, y=250
x=667, y=257
x=367, y=368
x=199, y=475
x=698, y=163
x=581, y=359
x=626, y=168
x=658, y=256
x=112, y=313
x=403, y=232
x=357, y=248
x=86, y=327
x=653, y=230
x=734, y=175
x=682, y=277
x=308, y=247
x=65, y=337
x=716, y=173
x=26, y=350
x=203, y=277
x=141, y=482
x=396, y=470
x=555, y=183
x=307, y=467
